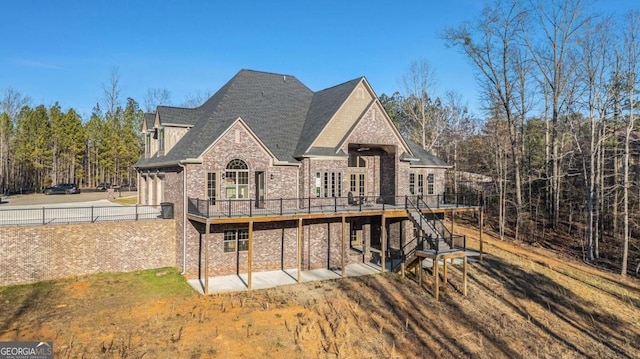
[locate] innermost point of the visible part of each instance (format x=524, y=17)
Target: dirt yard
x=523, y=302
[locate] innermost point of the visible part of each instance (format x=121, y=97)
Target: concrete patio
x=271, y=279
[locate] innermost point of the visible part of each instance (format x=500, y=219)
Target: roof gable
x=377, y=128
x=349, y=111
x=272, y=105
x=323, y=108
x=149, y=120
x=240, y=122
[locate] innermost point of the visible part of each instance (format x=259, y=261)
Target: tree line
x=41, y=146
x=559, y=139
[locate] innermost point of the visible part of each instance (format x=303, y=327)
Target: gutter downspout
x=184, y=217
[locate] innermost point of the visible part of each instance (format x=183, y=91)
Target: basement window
x=236, y=240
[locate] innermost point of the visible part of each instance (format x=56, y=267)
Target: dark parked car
x=103, y=186
x=62, y=188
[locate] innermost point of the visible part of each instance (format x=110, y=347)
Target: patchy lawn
x=523, y=302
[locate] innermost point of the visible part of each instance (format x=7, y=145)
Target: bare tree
x=492, y=46
x=550, y=46
x=156, y=97
x=196, y=99
x=111, y=92
x=419, y=107
x=594, y=66
x=631, y=62
x=460, y=127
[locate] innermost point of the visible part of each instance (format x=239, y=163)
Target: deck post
x=299, y=249
x=464, y=276
x=453, y=217
x=444, y=270
x=250, y=254
x=383, y=248
x=436, y=278
x=481, y=219
x=343, y=248
x=206, y=257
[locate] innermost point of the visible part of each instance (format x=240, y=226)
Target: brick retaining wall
x=38, y=253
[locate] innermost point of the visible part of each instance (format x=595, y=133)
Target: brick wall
x=38, y=253
x=275, y=247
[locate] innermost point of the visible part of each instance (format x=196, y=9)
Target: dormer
x=171, y=124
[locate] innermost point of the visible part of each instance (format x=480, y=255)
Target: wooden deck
x=318, y=212
x=252, y=215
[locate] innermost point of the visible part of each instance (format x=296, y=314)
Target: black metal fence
x=60, y=215
x=285, y=206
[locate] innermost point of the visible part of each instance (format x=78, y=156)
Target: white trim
x=430, y=166
x=331, y=158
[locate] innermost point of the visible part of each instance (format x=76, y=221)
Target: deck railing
x=230, y=208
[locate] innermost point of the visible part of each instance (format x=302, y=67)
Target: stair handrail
x=446, y=234
x=423, y=220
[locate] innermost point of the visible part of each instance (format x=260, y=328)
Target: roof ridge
x=178, y=107
x=342, y=84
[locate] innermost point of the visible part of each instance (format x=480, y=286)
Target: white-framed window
x=412, y=183
x=147, y=144
x=236, y=240
x=212, y=187
x=237, y=179
x=161, y=139
x=430, y=183
x=326, y=184
x=420, y=184
x=318, y=184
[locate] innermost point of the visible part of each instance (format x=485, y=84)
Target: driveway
x=40, y=199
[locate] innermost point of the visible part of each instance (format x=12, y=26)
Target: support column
x=481, y=231
x=436, y=278
x=444, y=270
x=383, y=252
x=453, y=216
x=250, y=255
x=464, y=276
x=206, y=257
x=299, y=249
x=343, y=248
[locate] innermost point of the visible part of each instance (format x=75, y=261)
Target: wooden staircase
x=434, y=241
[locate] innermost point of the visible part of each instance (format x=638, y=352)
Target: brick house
x=268, y=174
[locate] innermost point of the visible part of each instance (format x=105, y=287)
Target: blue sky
x=65, y=50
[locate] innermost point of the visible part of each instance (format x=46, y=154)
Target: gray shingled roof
x=178, y=115
x=272, y=105
x=324, y=105
x=424, y=157
x=150, y=119
x=285, y=114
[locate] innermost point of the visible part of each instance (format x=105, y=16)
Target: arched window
x=237, y=179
